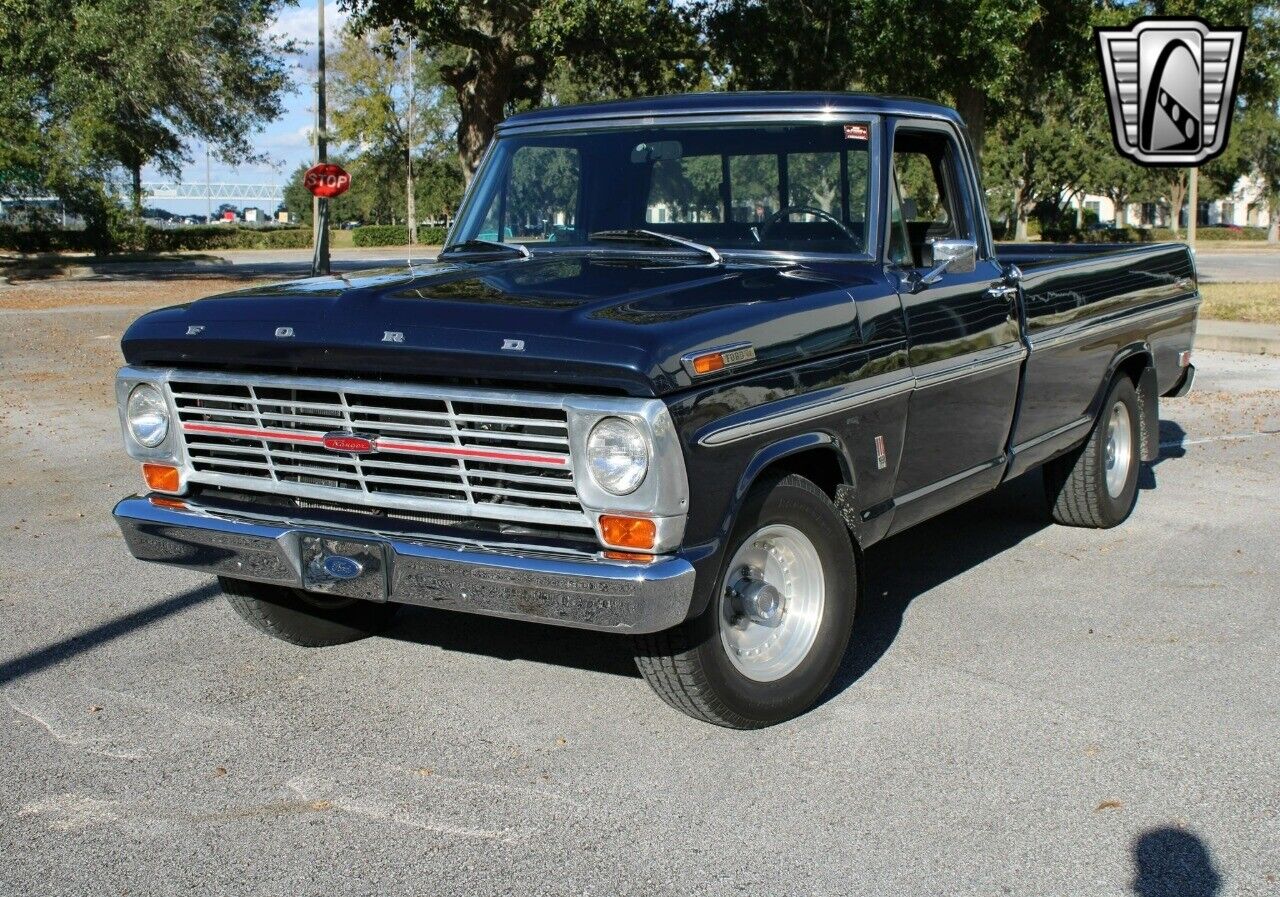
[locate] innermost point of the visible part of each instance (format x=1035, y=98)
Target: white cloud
x=299, y=23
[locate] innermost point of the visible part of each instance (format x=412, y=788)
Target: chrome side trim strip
x=1079, y=423
x=946, y=370
x=916, y=494
x=1081, y=330
x=797, y=410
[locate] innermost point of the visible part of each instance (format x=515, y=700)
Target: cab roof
x=732, y=103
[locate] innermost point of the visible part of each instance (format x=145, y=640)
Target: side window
x=929, y=176
x=540, y=202
x=899, y=243
x=922, y=191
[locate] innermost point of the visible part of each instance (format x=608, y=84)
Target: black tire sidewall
x=786, y=501
x=1116, y=508
x=294, y=616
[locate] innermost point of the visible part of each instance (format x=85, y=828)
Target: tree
x=984, y=56
x=820, y=51
x=500, y=54
x=106, y=83
x=379, y=112
x=1257, y=136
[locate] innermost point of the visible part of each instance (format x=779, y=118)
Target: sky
x=286, y=140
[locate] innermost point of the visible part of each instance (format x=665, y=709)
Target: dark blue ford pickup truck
x=680, y=363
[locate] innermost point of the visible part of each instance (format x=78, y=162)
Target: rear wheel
x=775, y=631
x=1097, y=485
x=304, y=618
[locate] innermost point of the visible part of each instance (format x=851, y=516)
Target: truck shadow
x=898, y=571
x=1172, y=439
x=597, y=652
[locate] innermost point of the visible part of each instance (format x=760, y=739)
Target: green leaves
x=97, y=86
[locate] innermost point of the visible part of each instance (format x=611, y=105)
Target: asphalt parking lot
x=1026, y=709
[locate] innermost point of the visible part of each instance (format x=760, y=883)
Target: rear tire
x=303, y=618
x=1097, y=485
x=727, y=668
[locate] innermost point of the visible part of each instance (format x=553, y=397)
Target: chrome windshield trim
x=585, y=121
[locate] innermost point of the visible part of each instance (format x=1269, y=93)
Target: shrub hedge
x=1212, y=233
x=394, y=235
x=203, y=237
x=1098, y=235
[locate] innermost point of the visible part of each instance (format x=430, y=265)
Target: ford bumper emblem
x=340, y=567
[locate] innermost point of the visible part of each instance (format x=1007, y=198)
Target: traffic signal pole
x=320, y=205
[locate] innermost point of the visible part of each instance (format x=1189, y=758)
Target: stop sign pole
x=320, y=205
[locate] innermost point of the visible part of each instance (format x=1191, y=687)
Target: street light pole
x=1193, y=201
x=320, y=205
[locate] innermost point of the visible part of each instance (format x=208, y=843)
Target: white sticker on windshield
x=855, y=132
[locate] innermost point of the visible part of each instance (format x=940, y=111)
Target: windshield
x=786, y=187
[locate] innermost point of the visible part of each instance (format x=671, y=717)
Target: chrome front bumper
x=574, y=590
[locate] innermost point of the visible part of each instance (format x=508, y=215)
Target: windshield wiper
x=477, y=245
x=653, y=236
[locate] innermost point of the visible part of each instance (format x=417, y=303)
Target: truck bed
x=1028, y=256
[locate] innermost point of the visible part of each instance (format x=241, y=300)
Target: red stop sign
x=326, y=180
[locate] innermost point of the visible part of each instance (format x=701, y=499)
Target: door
x=962, y=326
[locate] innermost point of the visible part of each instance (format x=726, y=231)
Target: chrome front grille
x=468, y=453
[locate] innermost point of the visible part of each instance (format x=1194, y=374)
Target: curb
x=1238, y=336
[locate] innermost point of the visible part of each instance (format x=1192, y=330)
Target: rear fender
x=1137, y=360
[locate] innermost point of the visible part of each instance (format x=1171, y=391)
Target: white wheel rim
x=1119, y=449
x=783, y=557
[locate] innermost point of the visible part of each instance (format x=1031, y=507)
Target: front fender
x=769, y=456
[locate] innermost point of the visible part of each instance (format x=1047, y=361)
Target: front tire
x=303, y=618
x=1097, y=485
x=776, y=628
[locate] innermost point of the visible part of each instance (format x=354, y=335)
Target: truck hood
x=565, y=321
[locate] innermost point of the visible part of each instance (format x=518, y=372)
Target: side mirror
x=960, y=256
x=957, y=256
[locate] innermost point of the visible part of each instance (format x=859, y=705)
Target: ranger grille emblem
x=1171, y=86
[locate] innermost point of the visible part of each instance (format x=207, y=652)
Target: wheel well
x=1140, y=369
x=821, y=466
x=1133, y=366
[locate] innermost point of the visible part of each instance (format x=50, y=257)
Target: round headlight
x=618, y=456
x=147, y=415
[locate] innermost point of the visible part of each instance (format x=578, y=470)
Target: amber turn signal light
x=705, y=364
x=628, y=532
x=629, y=556
x=162, y=477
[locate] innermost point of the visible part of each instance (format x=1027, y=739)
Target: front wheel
x=309, y=619
x=776, y=628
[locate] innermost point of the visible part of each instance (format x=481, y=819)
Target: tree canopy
x=501, y=54
x=93, y=86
